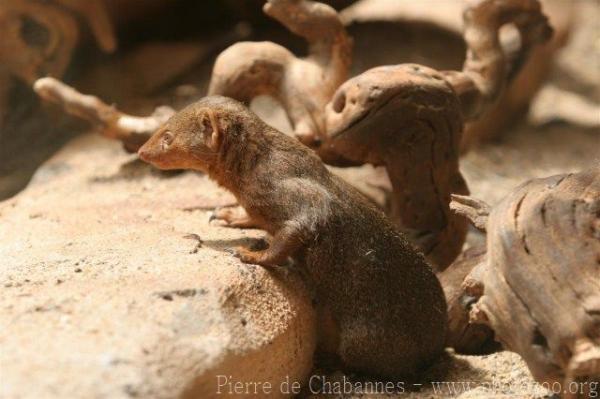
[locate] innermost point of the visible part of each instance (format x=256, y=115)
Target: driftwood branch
x=473, y=209
x=409, y=118
x=133, y=131
x=302, y=85
x=541, y=279
x=38, y=38
x=522, y=85
x=461, y=294
x=488, y=69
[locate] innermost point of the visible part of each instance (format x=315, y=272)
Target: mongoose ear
x=212, y=131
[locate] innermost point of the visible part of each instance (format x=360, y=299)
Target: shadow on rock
x=135, y=169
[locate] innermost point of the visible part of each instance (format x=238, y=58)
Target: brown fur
x=386, y=304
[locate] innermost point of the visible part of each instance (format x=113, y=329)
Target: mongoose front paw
x=232, y=217
x=222, y=215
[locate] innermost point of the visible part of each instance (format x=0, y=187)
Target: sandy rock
x=114, y=285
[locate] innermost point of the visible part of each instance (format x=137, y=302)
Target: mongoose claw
x=221, y=214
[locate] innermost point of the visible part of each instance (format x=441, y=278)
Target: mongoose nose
x=143, y=154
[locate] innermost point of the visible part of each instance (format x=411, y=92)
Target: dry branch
x=133, y=131
x=475, y=210
x=38, y=38
x=302, y=85
x=488, y=69
x=445, y=18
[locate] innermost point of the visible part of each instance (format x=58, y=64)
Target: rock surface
x=103, y=296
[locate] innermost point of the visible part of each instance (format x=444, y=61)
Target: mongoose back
x=387, y=308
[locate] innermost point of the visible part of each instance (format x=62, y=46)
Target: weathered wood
x=540, y=283
x=445, y=19
x=38, y=38
x=409, y=118
x=474, y=210
x=132, y=131
x=465, y=337
x=303, y=85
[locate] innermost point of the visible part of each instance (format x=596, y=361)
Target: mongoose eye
x=167, y=139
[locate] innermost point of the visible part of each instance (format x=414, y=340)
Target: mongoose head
x=191, y=138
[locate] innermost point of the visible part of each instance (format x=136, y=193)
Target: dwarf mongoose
x=387, y=307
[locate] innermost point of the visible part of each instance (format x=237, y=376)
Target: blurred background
x=140, y=54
